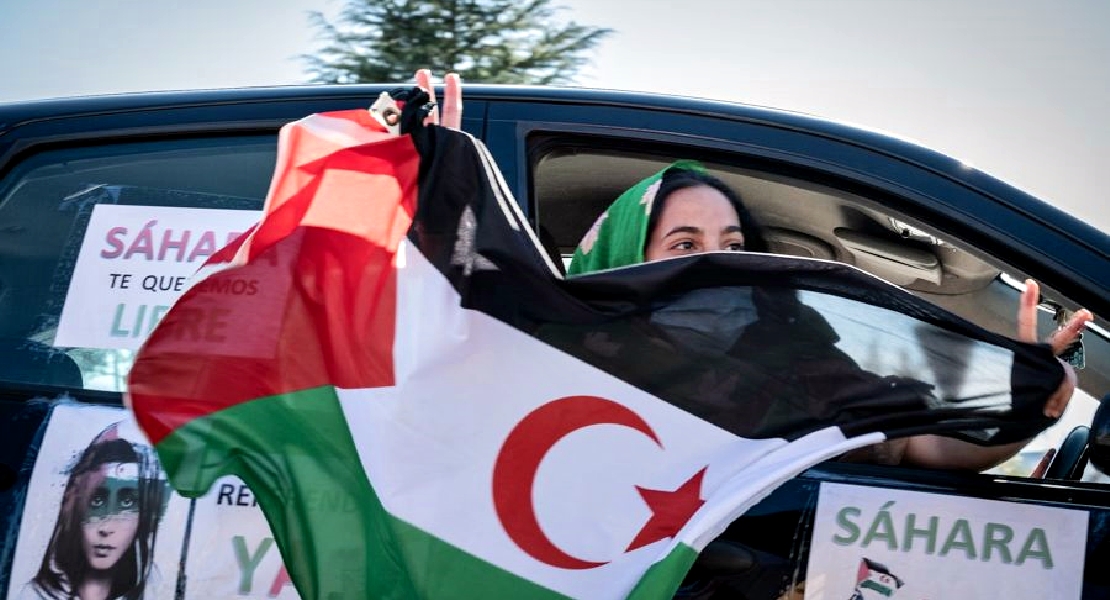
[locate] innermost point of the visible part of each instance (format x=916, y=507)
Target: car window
x=573, y=183
x=97, y=241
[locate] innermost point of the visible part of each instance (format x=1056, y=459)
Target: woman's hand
x=452, y=98
x=938, y=452
x=1059, y=340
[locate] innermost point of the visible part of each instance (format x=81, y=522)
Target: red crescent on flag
x=514, y=472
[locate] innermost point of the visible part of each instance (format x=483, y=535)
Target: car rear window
x=97, y=241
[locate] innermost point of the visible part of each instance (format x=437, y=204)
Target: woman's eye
x=98, y=499
x=127, y=499
x=683, y=245
x=735, y=247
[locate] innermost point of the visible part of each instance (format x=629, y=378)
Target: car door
x=909, y=215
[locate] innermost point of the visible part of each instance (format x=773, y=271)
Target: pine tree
x=487, y=41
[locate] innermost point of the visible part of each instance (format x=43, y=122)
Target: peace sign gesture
x=452, y=98
x=1059, y=340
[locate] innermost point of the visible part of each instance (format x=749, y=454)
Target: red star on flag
x=670, y=510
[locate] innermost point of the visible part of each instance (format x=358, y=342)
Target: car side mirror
x=1099, y=445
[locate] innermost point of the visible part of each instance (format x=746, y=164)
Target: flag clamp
x=387, y=113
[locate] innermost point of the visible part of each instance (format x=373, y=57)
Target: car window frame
x=916, y=191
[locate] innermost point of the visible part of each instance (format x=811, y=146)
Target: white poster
x=100, y=520
x=133, y=264
x=874, y=543
x=98, y=503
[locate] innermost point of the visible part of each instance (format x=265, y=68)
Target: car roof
x=14, y=114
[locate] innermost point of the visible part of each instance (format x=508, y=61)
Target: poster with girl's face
x=100, y=520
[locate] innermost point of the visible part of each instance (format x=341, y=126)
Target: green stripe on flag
x=664, y=577
x=296, y=453
x=878, y=587
x=441, y=570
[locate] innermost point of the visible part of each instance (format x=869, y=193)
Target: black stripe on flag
x=760, y=345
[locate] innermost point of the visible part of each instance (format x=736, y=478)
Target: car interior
x=574, y=181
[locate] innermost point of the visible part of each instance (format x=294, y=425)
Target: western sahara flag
x=424, y=410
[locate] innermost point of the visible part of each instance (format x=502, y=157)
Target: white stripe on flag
x=464, y=380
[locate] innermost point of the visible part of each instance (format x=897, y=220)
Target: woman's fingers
x=424, y=82
x=1064, y=336
x=452, y=101
x=1027, y=321
x=1027, y=312
x=1027, y=332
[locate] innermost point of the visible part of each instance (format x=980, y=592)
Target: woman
x=103, y=541
x=684, y=210
x=680, y=210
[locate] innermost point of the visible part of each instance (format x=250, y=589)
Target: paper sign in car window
x=882, y=543
x=135, y=261
x=60, y=537
x=229, y=552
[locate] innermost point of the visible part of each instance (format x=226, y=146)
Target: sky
x=1017, y=88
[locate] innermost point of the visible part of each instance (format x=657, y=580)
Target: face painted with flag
x=111, y=516
x=504, y=433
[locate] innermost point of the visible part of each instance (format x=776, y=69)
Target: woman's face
x=111, y=514
x=692, y=220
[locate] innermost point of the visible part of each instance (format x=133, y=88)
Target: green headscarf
x=618, y=237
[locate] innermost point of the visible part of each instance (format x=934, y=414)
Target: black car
x=70, y=322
